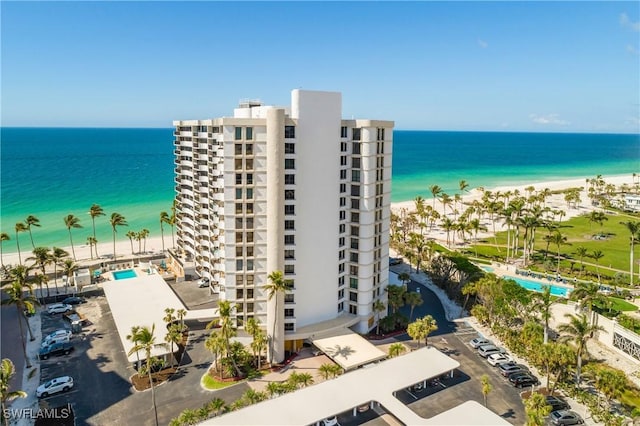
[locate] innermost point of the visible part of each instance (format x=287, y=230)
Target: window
x=249, y=237
x=353, y=270
x=289, y=254
x=342, y=214
x=239, y=280
x=249, y=264
x=343, y=174
x=238, y=237
x=289, y=132
x=380, y=134
x=355, y=148
x=249, y=222
x=289, y=210
x=250, y=294
x=340, y=267
x=238, y=223
x=355, y=190
x=343, y=147
x=239, y=293
x=343, y=160
x=355, y=203
x=289, y=179
x=249, y=164
x=353, y=257
x=289, y=225
x=289, y=326
x=289, y=194
x=249, y=193
x=249, y=250
x=353, y=309
x=239, y=264
x=341, y=293
x=340, y=306
x=341, y=241
x=249, y=307
x=238, y=208
x=289, y=239
x=238, y=163
x=289, y=298
x=238, y=178
x=355, y=163
x=341, y=281
x=342, y=228
x=289, y=163
x=238, y=149
x=289, y=283
x=249, y=279
x=341, y=255
x=249, y=179
x=238, y=193
x=343, y=201
x=289, y=269
x=356, y=133
x=238, y=135
x=248, y=148
x=343, y=131
x=353, y=296
x=249, y=133
x=288, y=313
x=289, y=148
x=355, y=231
x=343, y=188
x=355, y=218
x=355, y=175
x=354, y=243
x=238, y=251
x=249, y=207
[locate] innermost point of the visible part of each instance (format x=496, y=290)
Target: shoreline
x=154, y=244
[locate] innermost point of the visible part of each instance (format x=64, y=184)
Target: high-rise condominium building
x=298, y=190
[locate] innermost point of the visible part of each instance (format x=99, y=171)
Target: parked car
x=61, y=335
x=394, y=261
x=54, y=349
x=59, y=384
x=480, y=341
x=507, y=368
x=496, y=359
x=524, y=380
x=330, y=421
x=557, y=403
x=486, y=350
x=74, y=300
x=565, y=417
x=59, y=308
x=203, y=282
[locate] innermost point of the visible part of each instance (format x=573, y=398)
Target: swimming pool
x=123, y=275
x=536, y=286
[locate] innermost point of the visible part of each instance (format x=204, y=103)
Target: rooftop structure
x=294, y=189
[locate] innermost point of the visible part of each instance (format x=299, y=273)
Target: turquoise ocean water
x=53, y=172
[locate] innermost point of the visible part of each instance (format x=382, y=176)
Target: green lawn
x=622, y=305
x=580, y=233
x=212, y=384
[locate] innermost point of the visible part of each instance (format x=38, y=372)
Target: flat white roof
x=377, y=383
x=141, y=301
x=348, y=349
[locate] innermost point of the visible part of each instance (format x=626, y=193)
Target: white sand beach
x=555, y=201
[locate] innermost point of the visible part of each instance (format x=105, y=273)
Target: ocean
x=53, y=172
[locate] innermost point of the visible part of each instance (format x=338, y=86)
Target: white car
x=496, y=359
x=480, y=341
x=57, y=336
x=59, y=384
x=203, y=282
x=330, y=421
x=59, y=308
x=486, y=350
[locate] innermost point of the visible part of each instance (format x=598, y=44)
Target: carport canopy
x=347, y=349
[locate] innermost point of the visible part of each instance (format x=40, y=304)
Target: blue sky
x=513, y=66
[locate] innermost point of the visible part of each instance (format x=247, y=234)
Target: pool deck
x=502, y=270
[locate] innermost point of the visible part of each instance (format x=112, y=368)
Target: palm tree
x=421, y=328
x=71, y=221
x=20, y=227
x=395, y=294
x=378, y=308
x=164, y=218
x=588, y=295
x=486, y=387
x=22, y=302
x=537, y=409
x=68, y=268
x=173, y=336
x=596, y=256
x=95, y=211
x=144, y=340
x=57, y=254
x=3, y=237
x=435, y=191
x=7, y=370
x=413, y=299
x=131, y=235
x=276, y=288
x=32, y=221
x=578, y=331
x=116, y=220
x=542, y=304
x=396, y=349
x=258, y=338
x=169, y=317
x=227, y=330
x=634, y=229
x=181, y=313
x=172, y=221
x=559, y=240
x=215, y=344
x=41, y=258
x=92, y=243
x=581, y=252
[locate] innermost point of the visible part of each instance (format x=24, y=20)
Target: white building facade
x=295, y=189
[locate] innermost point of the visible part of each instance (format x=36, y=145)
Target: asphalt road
x=11, y=345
